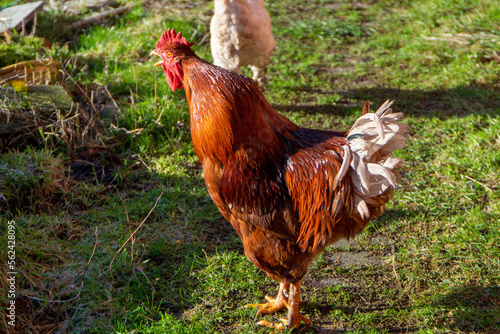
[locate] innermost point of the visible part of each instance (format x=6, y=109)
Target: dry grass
x=34, y=180
x=29, y=122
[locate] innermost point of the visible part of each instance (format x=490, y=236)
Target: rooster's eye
x=169, y=54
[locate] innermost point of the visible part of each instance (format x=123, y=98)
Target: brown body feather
x=289, y=192
x=274, y=181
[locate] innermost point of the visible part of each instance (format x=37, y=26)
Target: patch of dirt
x=330, y=281
x=335, y=70
x=341, y=257
x=381, y=240
x=348, y=259
x=84, y=170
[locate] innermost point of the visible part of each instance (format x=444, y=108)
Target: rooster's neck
x=230, y=118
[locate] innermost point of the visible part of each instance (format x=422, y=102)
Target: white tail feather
x=372, y=139
x=345, y=165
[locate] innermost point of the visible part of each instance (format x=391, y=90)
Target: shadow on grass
x=390, y=215
x=461, y=101
x=156, y=273
x=330, y=329
x=473, y=308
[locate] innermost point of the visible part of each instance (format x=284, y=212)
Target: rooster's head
x=172, y=48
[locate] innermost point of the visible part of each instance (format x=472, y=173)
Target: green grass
x=430, y=264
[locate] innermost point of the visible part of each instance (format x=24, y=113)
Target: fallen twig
x=137, y=229
x=93, y=252
x=59, y=301
x=480, y=183
x=462, y=38
x=150, y=284
x=112, y=99
x=80, y=88
x=100, y=17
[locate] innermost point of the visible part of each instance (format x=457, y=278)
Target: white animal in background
x=241, y=36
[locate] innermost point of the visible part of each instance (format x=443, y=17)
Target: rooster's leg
x=294, y=315
x=274, y=304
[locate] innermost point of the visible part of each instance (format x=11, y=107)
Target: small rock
x=47, y=98
x=42, y=99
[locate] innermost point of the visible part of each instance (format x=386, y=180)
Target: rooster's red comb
x=170, y=37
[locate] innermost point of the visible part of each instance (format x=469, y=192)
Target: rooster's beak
x=155, y=53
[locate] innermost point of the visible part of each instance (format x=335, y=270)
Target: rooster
x=289, y=192
x=241, y=36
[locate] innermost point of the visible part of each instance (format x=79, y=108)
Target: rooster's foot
x=274, y=305
x=274, y=325
x=284, y=323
